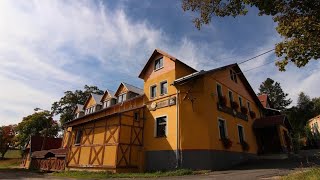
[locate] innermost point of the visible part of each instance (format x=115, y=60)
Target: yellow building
x=314, y=124
x=182, y=118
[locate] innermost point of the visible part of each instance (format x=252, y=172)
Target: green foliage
x=7, y=134
x=105, y=175
x=38, y=123
x=297, y=21
x=312, y=174
x=275, y=93
x=65, y=106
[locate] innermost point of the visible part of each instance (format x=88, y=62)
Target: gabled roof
x=130, y=88
x=270, y=121
x=50, y=143
x=264, y=99
x=78, y=106
x=156, y=52
x=108, y=92
x=96, y=97
x=235, y=67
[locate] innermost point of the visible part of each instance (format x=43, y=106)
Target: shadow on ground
x=304, y=159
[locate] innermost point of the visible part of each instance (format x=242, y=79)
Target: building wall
x=198, y=115
x=314, y=124
x=158, y=147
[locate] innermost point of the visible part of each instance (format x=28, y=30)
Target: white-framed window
x=241, y=133
x=122, y=97
x=233, y=76
x=240, y=101
x=249, y=105
x=153, y=91
x=106, y=104
x=158, y=63
x=219, y=90
x=230, y=97
x=161, y=126
x=78, y=137
x=163, y=87
x=222, y=128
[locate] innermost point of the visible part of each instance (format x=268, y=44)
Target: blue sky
x=48, y=47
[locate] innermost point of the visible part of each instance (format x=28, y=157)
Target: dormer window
x=233, y=76
x=158, y=63
x=122, y=97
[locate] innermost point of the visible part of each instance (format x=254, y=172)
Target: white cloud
x=48, y=47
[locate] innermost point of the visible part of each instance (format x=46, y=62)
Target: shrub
x=245, y=146
x=244, y=110
x=222, y=101
x=252, y=114
x=226, y=143
x=235, y=105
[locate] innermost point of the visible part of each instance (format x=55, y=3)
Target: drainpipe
x=178, y=153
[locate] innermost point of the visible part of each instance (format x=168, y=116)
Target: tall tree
x=7, y=134
x=297, y=22
x=68, y=102
x=275, y=93
x=38, y=123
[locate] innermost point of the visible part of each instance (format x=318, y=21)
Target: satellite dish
x=153, y=105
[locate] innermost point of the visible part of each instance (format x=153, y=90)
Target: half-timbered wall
x=108, y=143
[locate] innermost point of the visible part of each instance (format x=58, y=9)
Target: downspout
x=178, y=153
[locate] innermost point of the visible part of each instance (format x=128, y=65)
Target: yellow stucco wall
x=167, y=73
x=199, y=120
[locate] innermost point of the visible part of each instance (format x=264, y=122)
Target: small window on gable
x=153, y=91
x=158, y=63
x=222, y=128
x=241, y=133
x=163, y=88
x=233, y=76
x=161, y=126
x=136, y=116
x=122, y=97
x=219, y=90
x=78, y=137
x=240, y=101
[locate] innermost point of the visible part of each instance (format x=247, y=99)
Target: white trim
x=225, y=127
x=243, y=132
x=160, y=87
x=229, y=96
x=155, y=125
x=150, y=91
x=154, y=64
x=249, y=104
x=217, y=89
x=241, y=100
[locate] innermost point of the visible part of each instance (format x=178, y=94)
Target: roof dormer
x=127, y=91
x=108, y=99
x=92, y=104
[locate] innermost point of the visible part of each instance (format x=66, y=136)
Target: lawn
x=104, y=175
x=9, y=163
x=13, y=154
x=313, y=174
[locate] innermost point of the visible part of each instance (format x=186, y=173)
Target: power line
x=255, y=56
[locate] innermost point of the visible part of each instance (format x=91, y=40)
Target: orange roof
x=263, y=99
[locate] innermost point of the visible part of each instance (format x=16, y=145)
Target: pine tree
x=275, y=93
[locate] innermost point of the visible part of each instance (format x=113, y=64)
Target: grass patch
x=9, y=163
x=13, y=154
x=313, y=174
x=104, y=175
